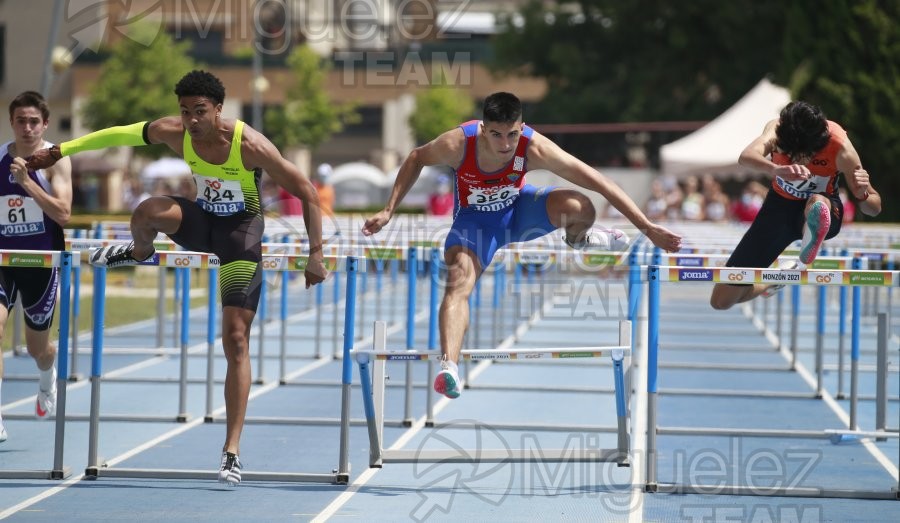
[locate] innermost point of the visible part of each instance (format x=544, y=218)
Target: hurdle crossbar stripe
x=36, y=259
x=493, y=354
x=739, y=275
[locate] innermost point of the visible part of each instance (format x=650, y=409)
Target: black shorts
x=37, y=290
x=236, y=240
x=779, y=223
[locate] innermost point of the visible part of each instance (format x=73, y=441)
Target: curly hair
x=201, y=83
x=802, y=129
x=502, y=108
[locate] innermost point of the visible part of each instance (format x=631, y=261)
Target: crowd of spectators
x=704, y=199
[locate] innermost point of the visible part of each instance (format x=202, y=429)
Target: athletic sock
x=46, y=380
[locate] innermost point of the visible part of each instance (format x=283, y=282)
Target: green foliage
x=308, y=116
x=438, y=108
x=647, y=60
x=136, y=83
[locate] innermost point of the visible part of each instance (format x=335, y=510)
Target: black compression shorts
x=236, y=240
x=778, y=224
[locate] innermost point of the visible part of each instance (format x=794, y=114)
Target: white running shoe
x=45, y=405
x=230, y=470
x=600, y=239
x=113, y=256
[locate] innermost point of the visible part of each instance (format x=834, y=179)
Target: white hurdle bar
x=373, y=401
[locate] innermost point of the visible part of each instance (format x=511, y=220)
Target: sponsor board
x=599, y=260
x=690, y=261
x=828, y=264
x=535, y=258
x=402, y=357
x=29, y=260
x=735, y=276
x=383, y=253
x=778, y=276
x=498, y=356
x=695, y=275
x=176, y=259
x=824, y=278
x=869, y=278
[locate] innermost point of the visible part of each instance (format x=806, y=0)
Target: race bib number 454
x=20, y=216
x=219, y=197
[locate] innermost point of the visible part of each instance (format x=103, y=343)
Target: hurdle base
x=182, y=418
x=75, y=377
x=36, y=474
x=793, y=492
x=62, y=473
x=506, y=456
x=213, y=475
x=652, y=488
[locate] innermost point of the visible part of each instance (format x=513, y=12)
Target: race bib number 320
x=20, y=216
x=219, y=197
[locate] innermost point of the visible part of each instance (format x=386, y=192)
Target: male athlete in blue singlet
x=34, y=205
x=227, y=159
x=495, y=207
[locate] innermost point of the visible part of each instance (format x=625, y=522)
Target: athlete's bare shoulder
x=446, y=149
x=167, y=130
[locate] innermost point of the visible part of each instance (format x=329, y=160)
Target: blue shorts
x=485, y=232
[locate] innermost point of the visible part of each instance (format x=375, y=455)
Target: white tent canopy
x=715, y=147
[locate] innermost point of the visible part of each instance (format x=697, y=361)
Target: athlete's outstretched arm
x=446, y=149
x=258, y=151
x=164, y=130
x=544, y=154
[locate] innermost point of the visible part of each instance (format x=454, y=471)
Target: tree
x=645, y=60
x=136, y=83
x=308, y=116
x=438, y=108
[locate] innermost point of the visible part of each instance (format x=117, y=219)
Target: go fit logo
x=182, y=260
x=826, y=278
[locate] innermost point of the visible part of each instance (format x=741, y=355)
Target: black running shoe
x=113, y=256
x=230, y=471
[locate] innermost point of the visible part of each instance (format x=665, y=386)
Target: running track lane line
x=155, y=441
x=829, y=400
x=419, y=424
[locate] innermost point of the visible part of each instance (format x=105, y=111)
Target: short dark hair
x=502, y=108
x=30, y=99
x=802, y=129
x=201, y=83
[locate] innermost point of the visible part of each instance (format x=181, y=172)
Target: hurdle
x=658, y=274
x=373, y=390
x=186, y=260
x=64, y=261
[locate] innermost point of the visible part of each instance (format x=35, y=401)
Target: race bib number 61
x=20, y=216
